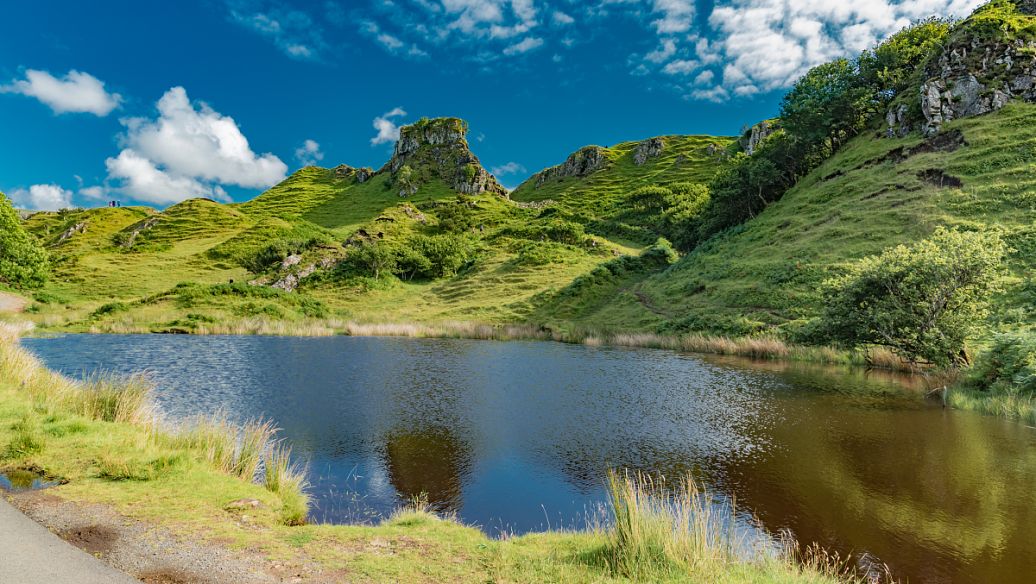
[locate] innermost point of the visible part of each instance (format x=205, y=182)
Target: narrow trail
x=647, y=303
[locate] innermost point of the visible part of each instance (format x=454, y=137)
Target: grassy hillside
x=599, y=198
x=874, y=194
x=189, y=267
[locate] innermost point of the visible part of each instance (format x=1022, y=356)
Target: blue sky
x=158, y=102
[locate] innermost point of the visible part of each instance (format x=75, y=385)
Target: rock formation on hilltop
x=362, y=175
x=438, y=148
x=987, y=62
x=752, y=137
x=650, y=148
x=582, y=162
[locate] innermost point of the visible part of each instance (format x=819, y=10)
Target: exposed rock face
x=438, y=148
x=975, y=76
x=754, y=136
x=137, y=229
x=582, y=162
x=68, y=233
x=898, y=121
x=650, y=148
x=362, y=175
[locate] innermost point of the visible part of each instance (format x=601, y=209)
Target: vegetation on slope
x=23, y=263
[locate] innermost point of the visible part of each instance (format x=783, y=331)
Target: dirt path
x=124, y=546
x=33, y=554
x=12, y=303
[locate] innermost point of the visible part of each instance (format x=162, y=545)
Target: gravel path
x=33, y=554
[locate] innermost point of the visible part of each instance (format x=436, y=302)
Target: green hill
x=875, y=193
x=310, y=247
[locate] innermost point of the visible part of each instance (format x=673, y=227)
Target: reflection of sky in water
x=519, y=436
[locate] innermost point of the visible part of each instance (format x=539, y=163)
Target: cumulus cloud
x=76, y=92
x=506, y=169
x=189, y=150
x=753, y=46
x=42, y=198
x=387, y=129
x=309, y=153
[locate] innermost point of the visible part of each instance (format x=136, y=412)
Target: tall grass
x=660, y=532
x=241, y=451
x=287, y=478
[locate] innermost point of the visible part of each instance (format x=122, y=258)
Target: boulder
x=650, y=148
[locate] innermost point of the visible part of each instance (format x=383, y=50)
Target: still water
x=518, y=436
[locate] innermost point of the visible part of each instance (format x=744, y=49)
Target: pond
x=518, y=436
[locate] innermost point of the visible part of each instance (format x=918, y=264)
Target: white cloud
x=677, y=16
x=95, y=192
x=42, y=198
x=188, y=151
x=524, y=46
x=745, y=47
x=292, y=31
x=560, y=18
x=76, y=92
x=409, y=27
x=681, y=67
x=309, y=153
x=387, y=129
x=509, y=168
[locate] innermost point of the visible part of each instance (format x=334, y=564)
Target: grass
x=765, y=274
x=183, y=478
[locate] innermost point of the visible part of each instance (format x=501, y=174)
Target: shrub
x=922, y=301
x=1008, y=365
x=23, y=262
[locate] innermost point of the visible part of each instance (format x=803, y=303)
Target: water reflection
x=518, y=436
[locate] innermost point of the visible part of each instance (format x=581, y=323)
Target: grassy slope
x=205, y=242
x=766, y=273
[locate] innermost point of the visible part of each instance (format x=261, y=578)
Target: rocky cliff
x=438, y=148
x=752, y=137
x=989, y=60
x=582, y=162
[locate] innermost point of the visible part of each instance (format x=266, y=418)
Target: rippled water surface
x=518, y=436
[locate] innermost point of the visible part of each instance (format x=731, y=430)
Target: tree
x=922, y=300
x=373, y=259
x=828, y=106
x=893, y=67
x=23, y=262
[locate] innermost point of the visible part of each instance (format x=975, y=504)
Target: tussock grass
x=1018, y=406
x=662, y=532
x=287, y=478
x=239, y=451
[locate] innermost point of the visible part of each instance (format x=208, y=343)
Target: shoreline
x=113, y=462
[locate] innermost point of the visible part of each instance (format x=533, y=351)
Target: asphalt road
x=29, y=554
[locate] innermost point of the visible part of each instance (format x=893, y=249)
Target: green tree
x=922, y=300
x=373, y=259
x=828, y=106
x=23, y=262
x=894, y=66
x=405, y=181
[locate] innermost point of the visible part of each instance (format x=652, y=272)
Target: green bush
x=1008, y=365
x=922, y=301
x=23, y=262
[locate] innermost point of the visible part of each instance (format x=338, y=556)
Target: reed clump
x=238, y=450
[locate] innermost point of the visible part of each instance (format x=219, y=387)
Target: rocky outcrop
x=976, y=74
x=752, y=137
x=438, y=148
x=361, y=175
x=898, y=121
x=582, y=162
x=73, y=230
x=136, y=230
x=648, y=149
